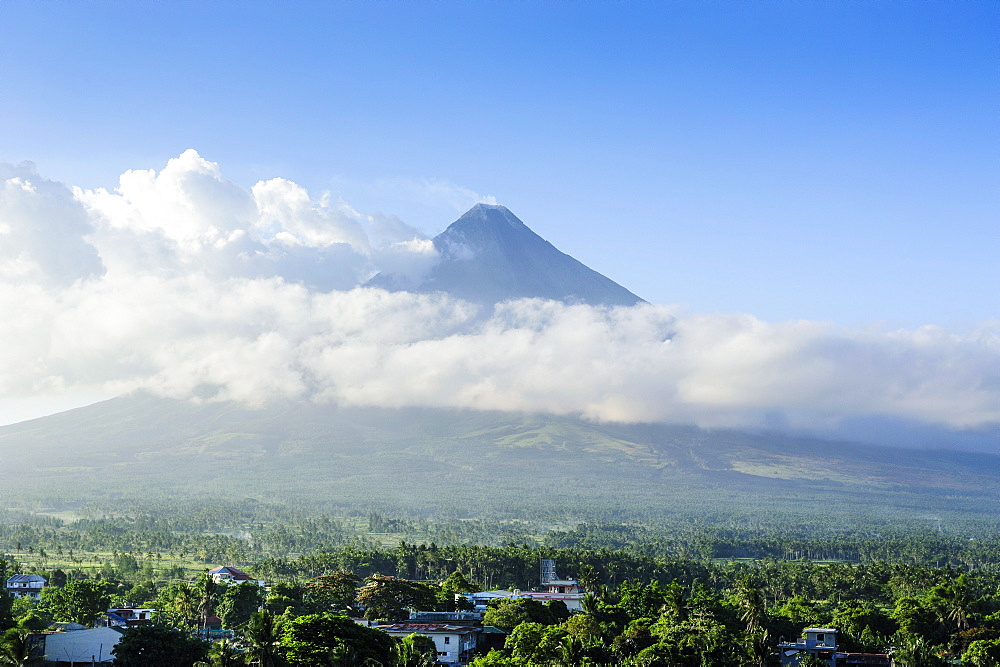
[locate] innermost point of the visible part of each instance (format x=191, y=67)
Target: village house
x=26, y=586
x=233, y=577
x=210, y=627
x=567, y=591
x=480, y=601
x=455, y=644
x=129, y=616
x=453, y=617
x=819, y=643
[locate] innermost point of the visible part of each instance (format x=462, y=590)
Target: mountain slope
x=488, y=255
x=137, y=449
x=469, y=463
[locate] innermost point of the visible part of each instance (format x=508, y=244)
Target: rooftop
x=424, y=628
x=231, y=571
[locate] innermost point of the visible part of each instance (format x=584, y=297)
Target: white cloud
x=187, y=219
x=408, y=262
x=216, y=292
x=287, y=214
x=43, y=233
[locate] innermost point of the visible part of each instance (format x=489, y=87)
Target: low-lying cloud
x=190, y=286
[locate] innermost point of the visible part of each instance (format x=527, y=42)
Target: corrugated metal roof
x=82, y=646
x=427, y=627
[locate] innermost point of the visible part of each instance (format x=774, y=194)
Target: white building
x=26, y=586
x=818, y=642
x=567, y=591
x=128, y=616
x=232, y=577
x=480, y=601
x=455, y=644
x=452, y=617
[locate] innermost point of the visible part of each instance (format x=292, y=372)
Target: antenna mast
x=548, y=571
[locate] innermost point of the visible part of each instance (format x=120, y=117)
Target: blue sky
x=820, y=160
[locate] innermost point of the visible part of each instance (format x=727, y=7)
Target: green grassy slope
x=468, y=463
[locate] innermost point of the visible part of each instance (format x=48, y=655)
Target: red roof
x=232, y=572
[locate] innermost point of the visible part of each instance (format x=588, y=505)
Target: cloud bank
x=185, y=284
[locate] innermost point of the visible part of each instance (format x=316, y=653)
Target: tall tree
x=456, y=583
x=207, y=594
x=16, y=648
x=78, y=601
x=224, y=654
x=416, y=651
x=917, y=652
x=158, y=646
x=178, y=604
x=262, y=635
x=954, y=602
x=326, y=639
x=237, y=603
x=332, y=592
x=390, y=598
x=750, y=601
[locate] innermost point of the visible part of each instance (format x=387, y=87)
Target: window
x=447, y=640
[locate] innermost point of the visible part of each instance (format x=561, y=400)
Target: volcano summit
x=488, y=255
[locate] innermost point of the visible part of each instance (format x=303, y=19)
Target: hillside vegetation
x=453, y=464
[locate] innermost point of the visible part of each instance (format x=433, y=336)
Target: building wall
x=449, y=646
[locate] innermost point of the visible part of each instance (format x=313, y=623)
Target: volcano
x=488, y=256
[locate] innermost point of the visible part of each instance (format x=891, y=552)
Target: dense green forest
x=251, y=531
x=716, y=590
x=643, y=610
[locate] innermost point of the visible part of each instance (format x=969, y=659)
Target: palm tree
x=751, y=605
x=409, y=653
x=752, y=610
x=591, y=604
x=184, y=603
x=572, y=651
x=587, y=576
x=17, y=649
x=953, y=602
x=675, y=602
x=916, y=652
x=223, y=654
x=207, y=592
x=262, y=635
